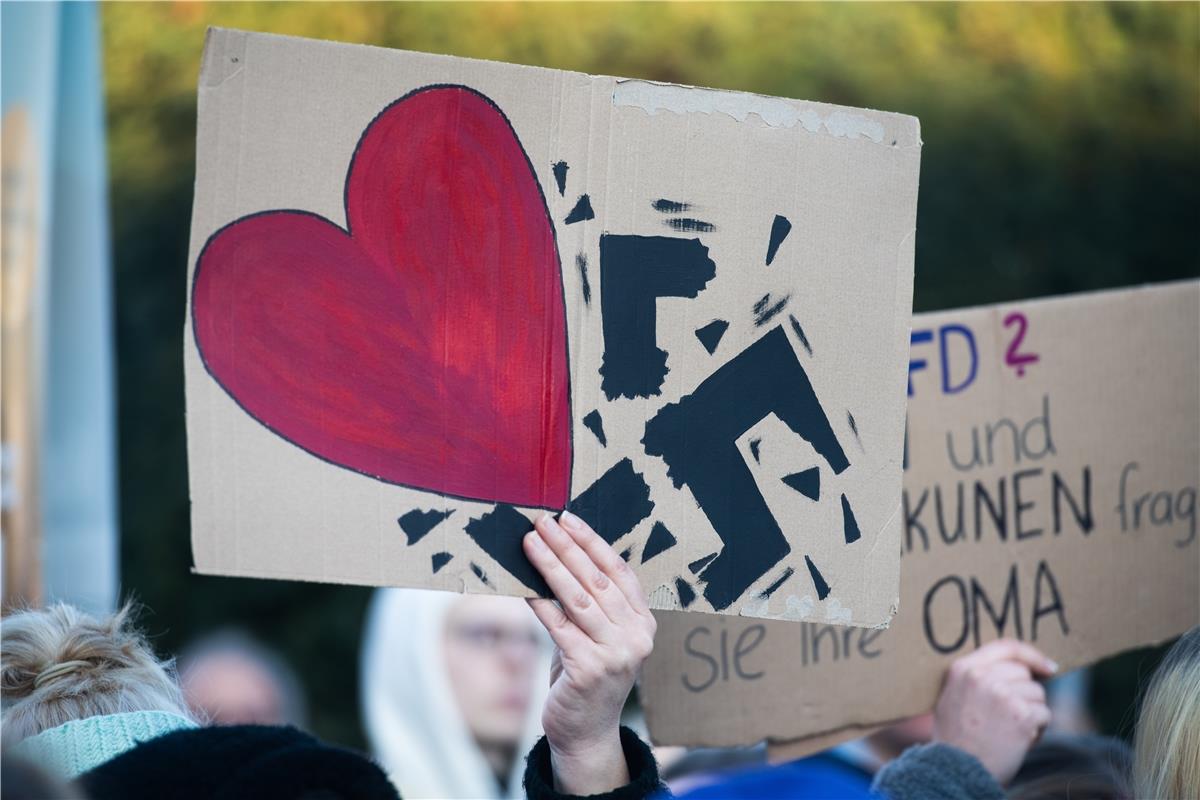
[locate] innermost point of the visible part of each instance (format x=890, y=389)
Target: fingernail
x=535, y=540
x=569, y=520
x=1052, y=666
x=548, y=527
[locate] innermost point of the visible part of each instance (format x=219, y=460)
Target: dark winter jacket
x=936, y=772
x=260, y=761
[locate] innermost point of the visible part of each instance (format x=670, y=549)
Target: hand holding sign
x=991, y=706
x=603, y=630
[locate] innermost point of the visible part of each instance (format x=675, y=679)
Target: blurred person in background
x=845, y=771
x=685, y=769
x=86, y=701
x=1167, y=742
x=451, y=690
x=228, y=678
x=85, y=698
x=78, y=690
x=1084, y=767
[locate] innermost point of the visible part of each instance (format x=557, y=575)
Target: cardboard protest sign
x=430, y=296
x=1052, y=466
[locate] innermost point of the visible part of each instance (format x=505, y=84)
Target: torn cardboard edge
x=774, y=112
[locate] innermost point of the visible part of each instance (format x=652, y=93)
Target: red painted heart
x=425, y=344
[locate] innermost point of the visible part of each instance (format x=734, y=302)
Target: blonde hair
x=58, y=664
x=1166, y=753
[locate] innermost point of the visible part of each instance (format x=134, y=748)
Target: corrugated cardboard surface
x=1116, y=390
x=279, y=119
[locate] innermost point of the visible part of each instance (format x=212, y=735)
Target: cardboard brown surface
x=544, y=269
x=781, y=752
x=1100, y=552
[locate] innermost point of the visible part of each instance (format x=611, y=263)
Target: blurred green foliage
x=1062, y=153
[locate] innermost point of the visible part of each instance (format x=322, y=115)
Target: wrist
x=593, y=767
x=986, y=756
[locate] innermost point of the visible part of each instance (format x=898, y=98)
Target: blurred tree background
x=1062, y=153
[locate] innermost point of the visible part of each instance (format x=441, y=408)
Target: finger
x=1030, y=692
x=1013, y=650
x=1039, y=716
x=606, y=558
x=576, y=602
x=610, y=598
x=1009, y=673
x=566, y=634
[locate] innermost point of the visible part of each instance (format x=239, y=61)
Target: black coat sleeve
x=936, y=772
x=643, y=773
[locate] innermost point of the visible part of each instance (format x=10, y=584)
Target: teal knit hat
x=75, y=747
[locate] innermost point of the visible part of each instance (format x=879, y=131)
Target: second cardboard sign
x=1052, y=467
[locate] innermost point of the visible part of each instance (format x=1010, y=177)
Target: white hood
x=414, y=727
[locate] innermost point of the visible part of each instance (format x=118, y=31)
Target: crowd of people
x=468, y=696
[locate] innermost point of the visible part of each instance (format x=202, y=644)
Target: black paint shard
x=560, y=176
x=440, y=560
x=700, y=563
x=670, y=206
x=417, y=523
x=660, y=539
x=697, y=438
x=615, y=503
x=593, y=423
x=686, y=595
x=634, y=272
x=710, y=335
x=627, y=553
x=770, y=590
x=499, y=533
x=807, y=482
x=780, y=228
x=479, y=573
x=818, y=580
x=800, y=334
x=853, y=427
x=764, y=311
x=581, y=211
x=687, y=225
x=755, y=445
x=581, y=263
x=849, y=523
